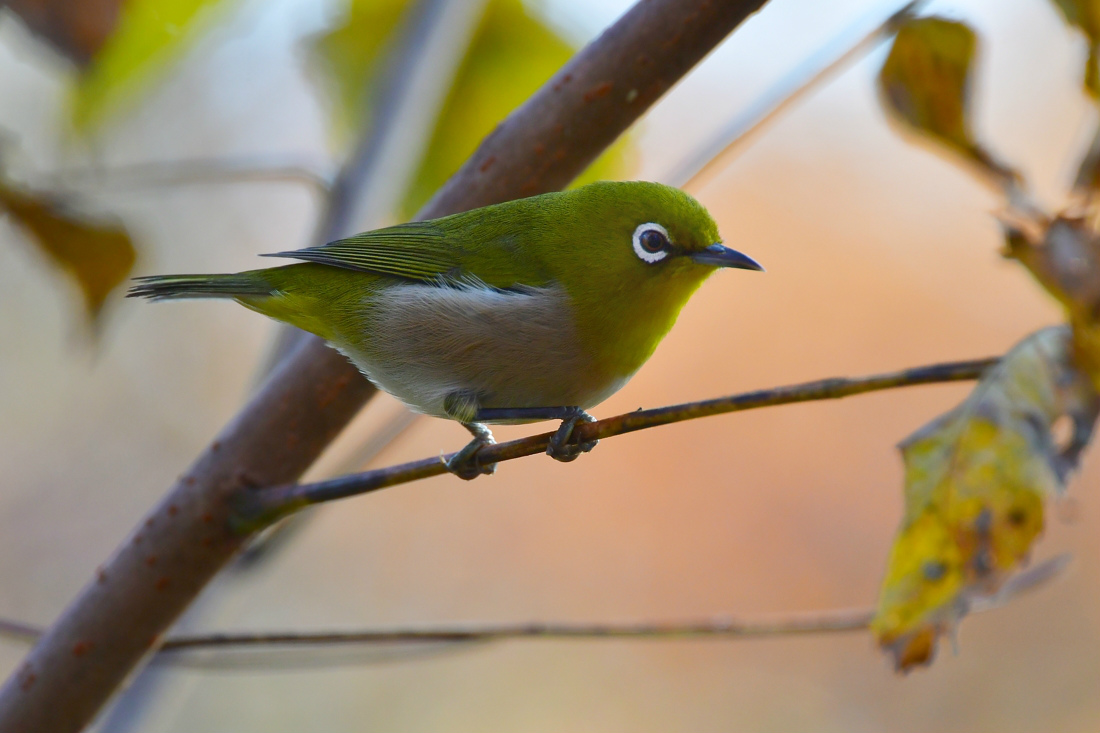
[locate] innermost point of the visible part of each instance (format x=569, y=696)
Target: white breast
x=508, y=348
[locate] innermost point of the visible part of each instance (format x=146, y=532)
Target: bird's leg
x=559, y=448
x=463, y=406
x=465, y=464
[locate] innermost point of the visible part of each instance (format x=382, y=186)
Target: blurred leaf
x=510, y=56
x=148, y=36
x=925, y=79
x=1085, y=14
x=975, y=481
x=98, y=255
x=925, y=82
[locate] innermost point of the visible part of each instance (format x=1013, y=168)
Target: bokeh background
x=879, y=254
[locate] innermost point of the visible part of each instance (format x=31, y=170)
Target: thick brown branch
x=185, y=540
x=262, y=506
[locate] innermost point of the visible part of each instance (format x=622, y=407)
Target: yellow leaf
x=98, y=256
x=1085, y=14
x=148, y=35
x=975, y=481
x=510, y=56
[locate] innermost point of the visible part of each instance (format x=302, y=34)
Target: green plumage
x=545, y=301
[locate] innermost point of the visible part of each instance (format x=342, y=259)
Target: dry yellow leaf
x=975, y=482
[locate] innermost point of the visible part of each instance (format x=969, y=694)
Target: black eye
x=651, y=242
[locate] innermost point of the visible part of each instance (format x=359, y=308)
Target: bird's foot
x=559, y=448
x=465, y=463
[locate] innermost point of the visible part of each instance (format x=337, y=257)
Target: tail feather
x=165, y=287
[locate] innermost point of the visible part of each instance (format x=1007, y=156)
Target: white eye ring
x=644, y=254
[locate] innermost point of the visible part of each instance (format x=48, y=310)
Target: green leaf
x=1085, y=14
x=148, y=36
x=975, y=481
x=99, y=256
x=510, y=56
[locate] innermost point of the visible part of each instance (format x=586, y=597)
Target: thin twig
x=855, y=619
x=195, y=171
x=793, y=624
x=276, y=536
x=851, y=44
x=262, y=506
x=19, y=630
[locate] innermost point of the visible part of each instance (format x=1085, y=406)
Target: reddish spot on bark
x=643, y=60
x=529, y=187
x=487, y=164
x=215, y=446
x=208, y=542
x=334, y=389
x=173, y=510
x=189, y=480
x=138, y=538
x=149, y=522
x=81, y=648
x=27, y=679
x=539, y=148
x=597, y=91
x=151, y=561
x=559, y=154
x=292, y=440
x=162, y=582
x=208, y=517
x=558, y=128
x=100, y=575
x=567, y=78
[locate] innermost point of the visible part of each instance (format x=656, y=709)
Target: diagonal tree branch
x=261, y=507
x=162, y=566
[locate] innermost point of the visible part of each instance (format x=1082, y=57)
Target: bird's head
x=636, y=253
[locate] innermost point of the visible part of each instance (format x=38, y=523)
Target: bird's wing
x=418, y=251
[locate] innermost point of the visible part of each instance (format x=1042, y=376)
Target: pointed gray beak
x=719, y=256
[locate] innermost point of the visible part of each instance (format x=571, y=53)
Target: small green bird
x=535, y=309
